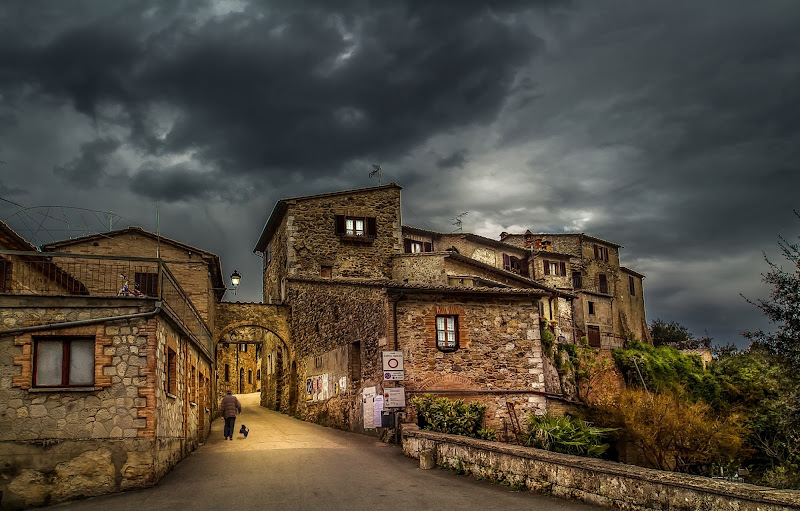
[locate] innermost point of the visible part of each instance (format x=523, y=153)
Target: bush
x=674, y=433
x=564, y=434
x=452, y=417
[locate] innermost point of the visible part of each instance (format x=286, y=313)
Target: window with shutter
x=603, y=283
x=447, y=333
x=506, y=262
x=632, y=286
x=577, y=281
x=563, y=267
x=5, y=275
x=357, y=227
x=546, y=265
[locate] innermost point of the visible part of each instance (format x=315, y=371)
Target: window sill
x=173, y=396
x=360, y=239
x=63, y=389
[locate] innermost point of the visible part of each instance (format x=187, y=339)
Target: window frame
x=171, y=382
x=600, y=252
x=602, y=283
x=66, y=359
x=631, y=285
x=592, y=308
x=444, y=345
x=577, y=280
x=412, y=246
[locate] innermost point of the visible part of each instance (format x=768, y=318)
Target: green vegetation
x=451, y=416
x=564, y=434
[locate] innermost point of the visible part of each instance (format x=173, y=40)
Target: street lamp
x=235, y=279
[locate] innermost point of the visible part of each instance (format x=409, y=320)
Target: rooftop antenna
x=457, y=221
x=377, y=170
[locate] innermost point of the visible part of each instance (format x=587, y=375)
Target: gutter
x=80, y=322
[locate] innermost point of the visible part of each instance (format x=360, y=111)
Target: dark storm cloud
x=280, y=87
x=455, y=159
x=88, y=168
x=177, y=184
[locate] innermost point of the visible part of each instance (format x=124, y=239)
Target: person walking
x=229, y=409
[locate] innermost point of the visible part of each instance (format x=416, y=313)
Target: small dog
x=244, y=430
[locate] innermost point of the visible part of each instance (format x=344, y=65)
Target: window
x=577, y=281
x=326, y=271
x=600, y=253
x=5, y=275
x=593, y=336
x=591, y=308
x=416, y=247
x=632, y=285
x=193, y=385
x=147, y=283
x=447, y=333
x=258, y=375
x=249, y=376
x=64, y=362
x=356, y=227
x=554, y=268
x=172, y=372
x=511, y=263
x=227, y=372
x=602, y=283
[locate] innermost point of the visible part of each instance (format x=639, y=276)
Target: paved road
x=288, y=464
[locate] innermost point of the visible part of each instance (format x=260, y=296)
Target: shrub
x=452, y=417
x=564, y=434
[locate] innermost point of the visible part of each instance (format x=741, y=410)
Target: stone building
x=359, y=283
x=106, y=362
x=609, y=307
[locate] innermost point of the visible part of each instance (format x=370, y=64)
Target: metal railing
x=61, y=274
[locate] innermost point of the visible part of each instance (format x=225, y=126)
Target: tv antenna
x=377, y=170
x=457, y=221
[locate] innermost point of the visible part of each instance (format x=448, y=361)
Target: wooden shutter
x=546, y=264
x=596, y=251
x=506, y=262
x=407, y=245
x=603, y=283
x=563, y=267
x=372, y=227
x=340, y=225
x=427, y=247
x=5, y=275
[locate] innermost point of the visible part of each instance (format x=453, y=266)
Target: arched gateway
x=253, y=354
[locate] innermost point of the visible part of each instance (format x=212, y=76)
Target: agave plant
x=564, y=434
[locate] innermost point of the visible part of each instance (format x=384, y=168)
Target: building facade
x=106, y=362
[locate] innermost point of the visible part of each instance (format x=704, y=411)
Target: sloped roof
x=564, y=234
x=14, y=241
x=423, y=288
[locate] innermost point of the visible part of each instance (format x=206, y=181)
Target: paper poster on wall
x=378, y=407
x=368, y=400
x=342, y=384
x=394, y=397
x=325, y=389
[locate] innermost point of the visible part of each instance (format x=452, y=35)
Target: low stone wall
x=590, y=480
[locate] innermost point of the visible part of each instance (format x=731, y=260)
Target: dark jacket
x=230, y=406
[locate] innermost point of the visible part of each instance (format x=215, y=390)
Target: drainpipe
x=394, y=317
x=80, y=322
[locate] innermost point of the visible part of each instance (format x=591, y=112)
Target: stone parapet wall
x=591, y=480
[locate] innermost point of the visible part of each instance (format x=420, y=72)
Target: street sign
x=394, y=375
x=392, y=360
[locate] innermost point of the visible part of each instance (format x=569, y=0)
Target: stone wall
x=630, y=307
x=330, y=316
x=121, y=432
x=424, y=268
x=485, y=252
x=499, y=358
x=314, y=244
x=591, y=480
x=275, y=260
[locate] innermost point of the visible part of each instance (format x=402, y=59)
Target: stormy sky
x=671, y=128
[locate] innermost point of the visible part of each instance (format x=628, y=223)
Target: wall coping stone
x=790, y=499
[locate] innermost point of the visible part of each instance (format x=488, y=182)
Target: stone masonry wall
x=483, y=252
x=121, y=433
x=327, y=316
x=275, y=269
x=598, y=482
x=499, y=353
x=427, y=268
x=313, y=242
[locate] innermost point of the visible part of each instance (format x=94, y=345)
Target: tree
x=675, y=335
x=782, y=308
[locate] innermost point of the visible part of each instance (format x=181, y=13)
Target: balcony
x=58, y=274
